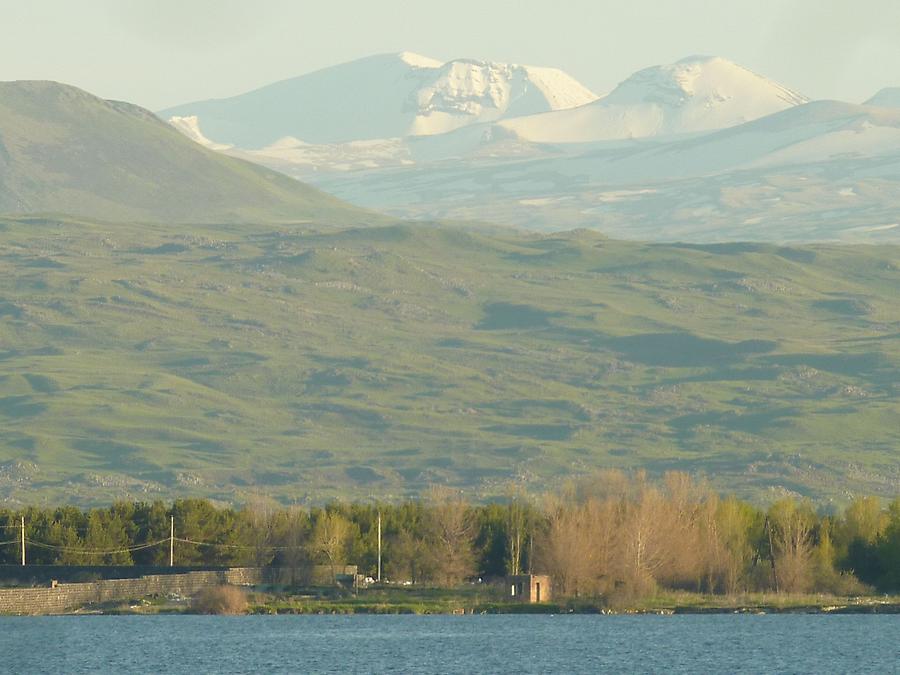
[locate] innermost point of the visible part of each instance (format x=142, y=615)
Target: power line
x=77, y=550
x=140, y=547
x=239, y=546
x=83, y=551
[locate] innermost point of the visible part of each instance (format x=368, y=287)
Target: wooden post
x=172, y=541
x=379, y=547
x=23, y=541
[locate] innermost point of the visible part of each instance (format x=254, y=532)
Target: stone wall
x=41, y=575
x=65, y=597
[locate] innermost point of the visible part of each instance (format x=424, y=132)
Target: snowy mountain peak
x=419, y=61
x=466, y=91
x=699, y=58
x=698, y=93
x=710, y=80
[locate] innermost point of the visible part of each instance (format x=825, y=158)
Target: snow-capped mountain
x=886, y=98
x=401, y=109
x=696, y=94
x=380, y=97
x=700, y=150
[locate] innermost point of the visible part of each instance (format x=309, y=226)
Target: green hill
x=63, y=150
x=140, y=362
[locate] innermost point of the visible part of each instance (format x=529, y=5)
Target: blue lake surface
x=451, y=644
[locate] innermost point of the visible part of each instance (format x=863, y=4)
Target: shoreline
x=235, y=593
x=857, y=606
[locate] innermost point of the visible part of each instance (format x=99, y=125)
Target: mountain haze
x=700, y=150
x=63, y=150
x=821, y=171
x=887, y=98
x=383, y=96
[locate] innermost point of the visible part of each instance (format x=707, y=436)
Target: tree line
x=612, y=534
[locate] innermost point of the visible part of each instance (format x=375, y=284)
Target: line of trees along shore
x=610, y=535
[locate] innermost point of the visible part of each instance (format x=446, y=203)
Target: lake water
x=450, y=644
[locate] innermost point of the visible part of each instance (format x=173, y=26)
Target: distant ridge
x=383, y=96
x=886, y=98
x=826, y=170
x=65, y=151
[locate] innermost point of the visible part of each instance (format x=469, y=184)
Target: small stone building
x=529, y=588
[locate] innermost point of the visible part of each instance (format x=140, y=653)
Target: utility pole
x=171, y=541
x=530, y=553
x=379, y=547
x=23, y=541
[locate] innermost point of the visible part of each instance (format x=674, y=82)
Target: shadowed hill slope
x=63, y=150
x=235, y=360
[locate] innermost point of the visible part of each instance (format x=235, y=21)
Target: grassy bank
x=490, y=600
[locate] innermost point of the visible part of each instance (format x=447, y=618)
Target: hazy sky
x=159, y=53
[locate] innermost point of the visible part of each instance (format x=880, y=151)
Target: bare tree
x=645, y=533
x=259, y=516
x=330, y=537
x=577, y=546
x=791, y=536
x=451, y=533
x=602, y=536
x=292, y=534
x=691, y=533
x=562, y=550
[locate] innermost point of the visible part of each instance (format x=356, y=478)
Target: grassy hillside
x=232, y=361
x=63, y=150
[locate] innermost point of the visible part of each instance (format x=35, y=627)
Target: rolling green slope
x=240, y=360
x=63, y=150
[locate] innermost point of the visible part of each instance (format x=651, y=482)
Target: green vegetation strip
x=306, y=363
